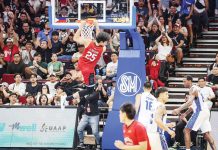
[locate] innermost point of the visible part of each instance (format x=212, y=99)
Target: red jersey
x=135, y=133
x=90, y=57
x=9, y=53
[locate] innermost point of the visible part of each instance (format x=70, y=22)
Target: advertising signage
x=38, y=127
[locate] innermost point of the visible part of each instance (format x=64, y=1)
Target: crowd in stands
x=38, y=64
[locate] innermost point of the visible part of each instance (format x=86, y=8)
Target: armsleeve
x=141, y=137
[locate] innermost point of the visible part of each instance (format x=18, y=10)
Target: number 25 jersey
x=90, y=57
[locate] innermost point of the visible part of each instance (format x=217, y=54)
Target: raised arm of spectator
x=160, y=12
x=158, y=39
x=170, y=25
x=161, y=28
x=49, y=42
x=169, y=39
x=28, y=16
x=37, y=42
x=150, y=24
x=16, y=38
x=78, y=38
x=207, y=4
x=149, y=8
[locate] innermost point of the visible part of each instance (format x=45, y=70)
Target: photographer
x=102, y=98
x=88, y=104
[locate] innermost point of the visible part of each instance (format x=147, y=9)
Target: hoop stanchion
x=129, y=83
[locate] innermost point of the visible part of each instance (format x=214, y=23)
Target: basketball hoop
x=87, y=30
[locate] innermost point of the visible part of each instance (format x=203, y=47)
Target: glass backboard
x=109, y=13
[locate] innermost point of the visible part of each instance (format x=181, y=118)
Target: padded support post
x=130, y=79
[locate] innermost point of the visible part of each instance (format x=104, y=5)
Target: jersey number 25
x=90, y=56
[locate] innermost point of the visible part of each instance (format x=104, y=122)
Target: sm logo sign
x=129, y=84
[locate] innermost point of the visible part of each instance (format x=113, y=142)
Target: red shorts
x=86, y=72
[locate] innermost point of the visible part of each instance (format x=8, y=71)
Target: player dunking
x=160, y=117
x=145, y=105
x=200, y=117
x=92, y=53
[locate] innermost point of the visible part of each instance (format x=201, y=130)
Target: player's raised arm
x=193, y=93
x=77, y=37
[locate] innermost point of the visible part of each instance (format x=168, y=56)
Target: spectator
x=17, y=66
x=4, y=92
x=35, y=4
x=57, y=47
x=78, y=54
x=9, y=50
x=215, y=64
x=70, y=47
x=38, y=67
x=2, y=65
x=60, y=97
x=68, y=84
x=184, y=31
x=45, y=33
x=37, y=26
x=153, y=72
x=186, y=13
x=51, y=84
x=153, y=34
x=213, y=77
x=91, y=114
x=30, y=100
x=26, y=34
x=27, y=53
x=165, y=46
x=115, y=40
x=33, y=87
x=44, y=48
x=24, y=17
x=173, y=14
x=12, y=34
x=102, y=98
x=111, y=69
x=43, y=100
x=18, y=87
x=45, y=91
x=178, y=42
x=141, y=9
x=44, y=17
x=55, y=66
x=200, y=17
x=206, y=92
x=13, y=100
x=77, y=74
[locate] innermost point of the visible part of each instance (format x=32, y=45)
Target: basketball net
x=87, y=30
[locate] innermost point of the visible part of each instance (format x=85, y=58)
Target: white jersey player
x=160, y=118
x=146, y=105
x=200, y=117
